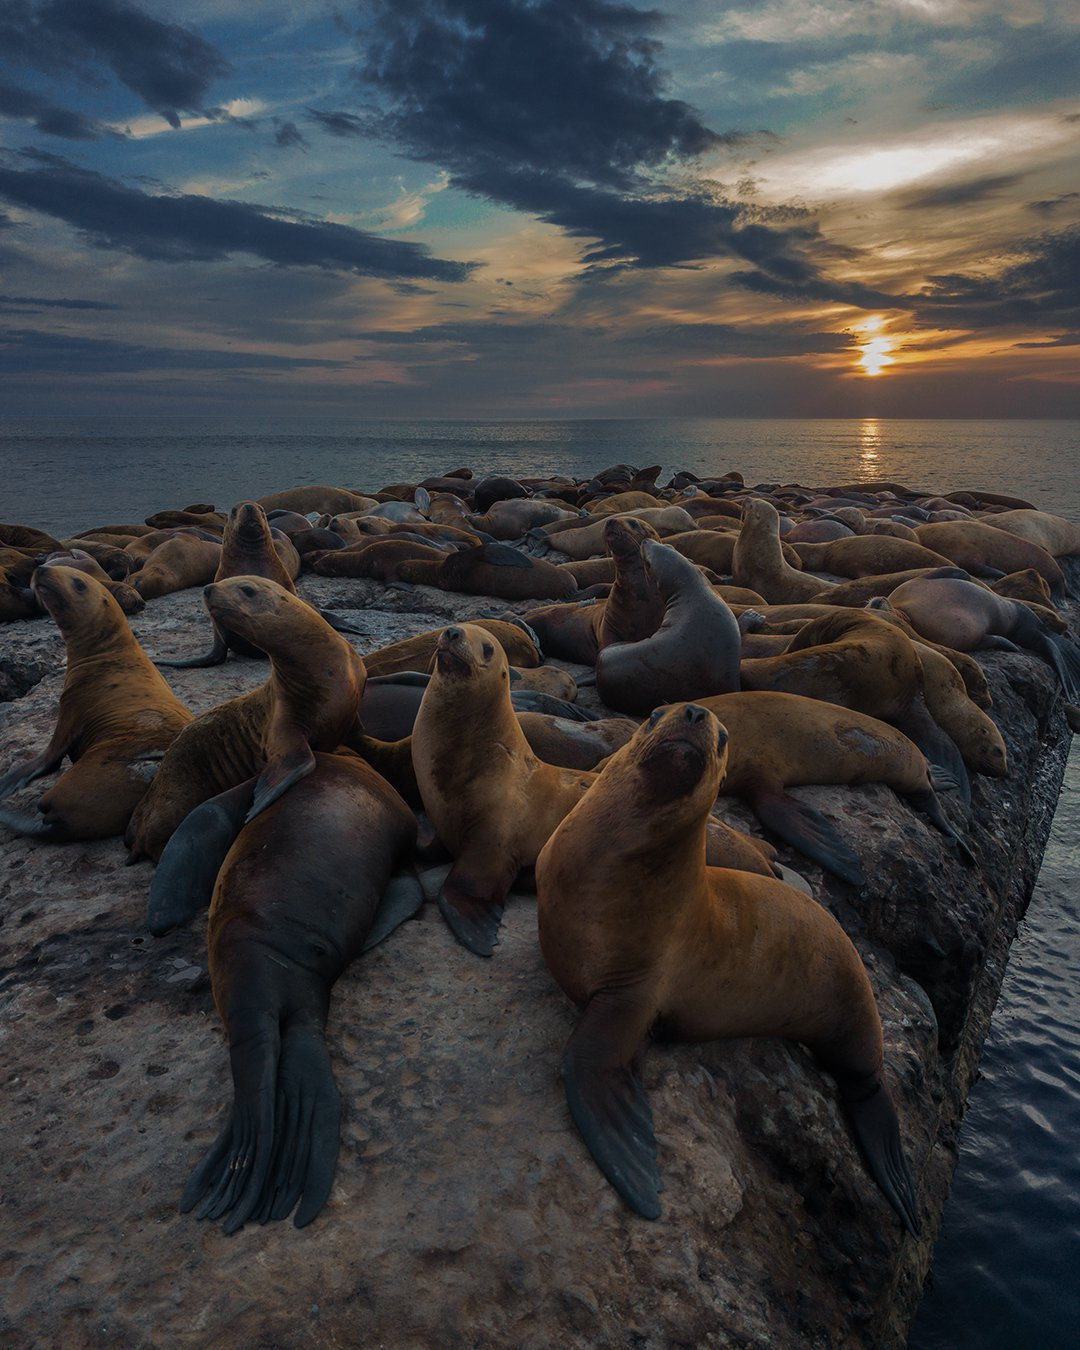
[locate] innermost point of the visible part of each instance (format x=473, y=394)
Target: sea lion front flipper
x=807, y=830
x=402, y=899
x=214, y=657
x=926, y=801
x=473, y=897
x=184, y=879
x=503, y=555
x=876, y=1128
x=1064, y=655
x=338, y=624
x=941, y=751
x=607, y=1099
x=279, y=775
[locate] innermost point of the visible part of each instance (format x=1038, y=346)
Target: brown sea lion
x=867, y=555
x=490, y=569
x=583, y=541
x=491, y=801
x=304, y=500
x=1058, y=536
x=696, y=649
x=645, y=938
x=116, y=714
x=758, y=562
x=26, y=536
x=986, y=551
x=376, y=559
x=970, y=617
x=127, y=597
x=177, y=565
x=310, y=702
x=202, y=517
x=511, y=518
x=116, y=562
x=783, y=740
x=297, y=897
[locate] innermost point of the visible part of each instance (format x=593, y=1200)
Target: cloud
x=49, y=118
x=287, y=135
x=27, y=303
x=187, y=227
x=171, y=68
x=31, y=351
x=559, y=110
x=960, y=194
x=340, y=123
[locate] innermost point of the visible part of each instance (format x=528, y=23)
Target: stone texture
x=466, y=1211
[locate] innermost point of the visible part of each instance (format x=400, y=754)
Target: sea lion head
x=681, y=753
x=467, y=652
x=254, y=607
x=247, y=523
x=758, y=511
x=666, y=566
x=78, y=603
x=624, y=536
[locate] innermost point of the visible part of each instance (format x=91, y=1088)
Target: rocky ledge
x=466, y=1211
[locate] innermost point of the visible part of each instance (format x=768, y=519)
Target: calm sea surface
x=1007, y=1268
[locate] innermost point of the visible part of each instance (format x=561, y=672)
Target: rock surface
x=466, y=1211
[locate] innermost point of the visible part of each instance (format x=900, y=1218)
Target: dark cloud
x=340, y=123
x=1041, y=288
x=48, y=117
x=1063, y=340
x=171, y=68
x=1049, y=205
x=816, y=288
x=287, y=135
x=185, y=227
x=960, y=194
x=25, y=303
x=559, y=110
x=30, y=351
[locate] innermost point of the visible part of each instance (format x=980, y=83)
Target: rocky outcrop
x=466, y=1211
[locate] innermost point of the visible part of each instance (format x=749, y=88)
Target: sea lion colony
x=759, y=664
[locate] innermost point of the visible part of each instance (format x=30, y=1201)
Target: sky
x=540, y=208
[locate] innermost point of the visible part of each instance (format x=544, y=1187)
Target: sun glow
x=876, y=351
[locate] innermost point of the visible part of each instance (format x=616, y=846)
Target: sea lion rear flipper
x=232, y=1175
x=214, y=657
x=876, y=1128
x=308, y=1128
x=1064, y=655
x=184, y=880
x=402, y=899
x=27, y=824
x=23, y=775
x=608, y=1101
x=807, y=830
x=409, y=679
x=473, y=898
x=947, y=767
x=278, y=776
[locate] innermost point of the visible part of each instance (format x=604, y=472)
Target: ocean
x=1005, y=1266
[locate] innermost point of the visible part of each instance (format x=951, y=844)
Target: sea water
x=1006, y=1270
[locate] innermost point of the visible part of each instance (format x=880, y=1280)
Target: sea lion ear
x=422, y=500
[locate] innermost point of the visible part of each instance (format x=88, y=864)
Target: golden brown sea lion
x=583, y=541
x=783, y=740
x=297, y=897
x=177, y=565
x=304, y=500
x=127, y=597
x=758, y=562
x=986, y=551
x=116, y=713
x=310, y=702
x=1060, y=537
x=490, y=569
x=26, y=536
x=867, y=555
x=491, y=801
x=645, y=938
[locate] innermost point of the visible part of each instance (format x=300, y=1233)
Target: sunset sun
x=875, y=349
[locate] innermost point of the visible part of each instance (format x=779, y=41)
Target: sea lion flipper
x=473, y=898
x=25, y=774
x=278, y=776
x=807, y=830
x=503, y=555
x=927, y=802
x=877, y=1130
x=608, y=1101
x=184, y=880
x=214, y=657
x=340, y=624
x=1064, y=655
x=27, y=824
x=402, y=899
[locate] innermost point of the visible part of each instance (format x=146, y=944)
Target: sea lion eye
x=248, y=590
x=488, y=650
x=656, y=716
x=79, y=584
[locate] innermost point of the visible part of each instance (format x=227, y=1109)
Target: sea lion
x=867, y=555
x=1058, y=536
x=296, y=899
x=26, y=536
x=585, y=540
x=783, y=740
x=116, y=714
x=376, y=559
x=418, y=651
x=645, y=938
x=127, y=597
x=758, y=561
x=696, y=649
x=177, y=565
x=310, y=702
x=490, y=569
x=989, y=552
x=970, y=617
x=310, y=498
x=491, y=801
